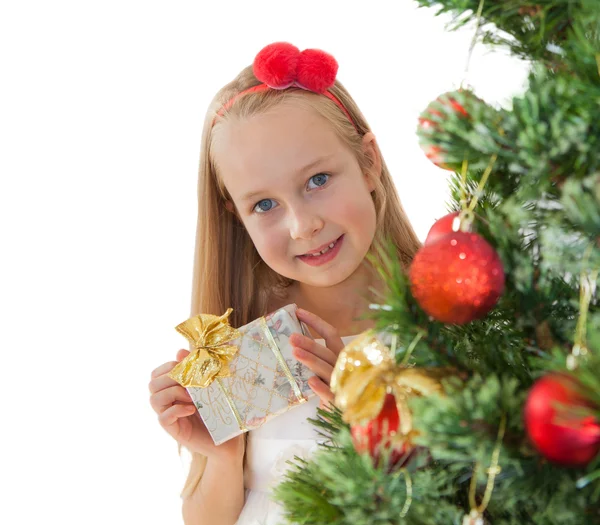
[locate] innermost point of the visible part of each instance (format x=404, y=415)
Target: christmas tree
x=484, y=406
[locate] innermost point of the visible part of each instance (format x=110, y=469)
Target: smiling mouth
x=325, y=255
x=323, y=251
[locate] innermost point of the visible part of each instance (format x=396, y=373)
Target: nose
x=304, y=222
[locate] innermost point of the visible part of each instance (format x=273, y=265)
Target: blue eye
x=264, y=205
x=320, y=179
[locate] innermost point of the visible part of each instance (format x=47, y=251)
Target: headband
x=282, y=65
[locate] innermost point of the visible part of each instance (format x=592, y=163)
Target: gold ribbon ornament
x=212, y=351
x=366, y=371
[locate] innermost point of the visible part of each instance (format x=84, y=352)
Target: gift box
x=241, y=378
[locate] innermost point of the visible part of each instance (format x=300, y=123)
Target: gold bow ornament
x=212, y=352
x=365, y=372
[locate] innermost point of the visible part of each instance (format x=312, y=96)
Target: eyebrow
x=251, y=195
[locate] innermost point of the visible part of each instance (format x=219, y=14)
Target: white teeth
x=324, y=251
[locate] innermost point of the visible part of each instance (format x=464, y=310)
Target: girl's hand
x=318, y=358
x=179, y=417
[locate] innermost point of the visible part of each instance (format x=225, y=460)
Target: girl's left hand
x=318, y=358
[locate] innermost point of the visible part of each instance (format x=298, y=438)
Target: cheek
x=356, y=211
x=267, y=240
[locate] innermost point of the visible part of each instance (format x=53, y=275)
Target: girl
x=293, y=194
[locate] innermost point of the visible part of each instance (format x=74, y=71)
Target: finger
x=172, y=414
x=160, y=383
x=333, y=341
x=182, y=354
x=308, y=344
x=165, y=398
x=315, y=364
x=321, y=390
x=163, y=369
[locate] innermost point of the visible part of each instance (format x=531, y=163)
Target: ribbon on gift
x=210, y=337
x=211, y=353
x=286, y=370
x=366, y=371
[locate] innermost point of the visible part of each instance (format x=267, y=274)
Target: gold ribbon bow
x=366, y=371
x=211, y=353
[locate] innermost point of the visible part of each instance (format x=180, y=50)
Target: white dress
x=267, y=450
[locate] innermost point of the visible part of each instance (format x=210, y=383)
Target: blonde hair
x=228, y=272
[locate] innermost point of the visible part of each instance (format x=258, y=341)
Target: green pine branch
x=540, y=210
x=563, y=35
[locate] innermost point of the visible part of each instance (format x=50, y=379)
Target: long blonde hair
x=228, y=272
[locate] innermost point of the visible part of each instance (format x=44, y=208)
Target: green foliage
x=540, y=210
x=560, y=34
x=342, y=487
x=550, y=135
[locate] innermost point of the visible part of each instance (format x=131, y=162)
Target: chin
x=326, y=279
x=323, y=281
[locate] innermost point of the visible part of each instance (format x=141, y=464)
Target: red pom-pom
x=281, y=64
x=457, y=278
x=316, y=70
x=557, y=422
x=441, y=227
x=276, y=64
x=382, y=433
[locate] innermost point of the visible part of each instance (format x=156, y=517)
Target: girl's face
x=299, y=190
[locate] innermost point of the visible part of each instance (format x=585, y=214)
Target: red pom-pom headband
x=282, y=65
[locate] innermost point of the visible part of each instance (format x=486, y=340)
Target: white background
x=101, y=108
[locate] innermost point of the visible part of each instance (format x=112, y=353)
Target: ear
x=230, y=206
x=371, y=151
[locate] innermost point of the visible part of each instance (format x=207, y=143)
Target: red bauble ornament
x=382, y=433
x=457, y=278
x=441, y=227
x=434, y=113
x=556, y=425
x=436, y=155
x=431, y=119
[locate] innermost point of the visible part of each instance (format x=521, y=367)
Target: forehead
x=268, y=146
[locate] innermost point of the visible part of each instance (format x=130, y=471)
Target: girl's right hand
x=179, y=417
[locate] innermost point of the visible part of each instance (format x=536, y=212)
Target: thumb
x=181, y=354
